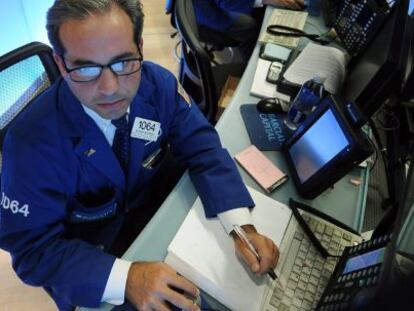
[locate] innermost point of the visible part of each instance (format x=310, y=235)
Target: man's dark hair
x=65, y=10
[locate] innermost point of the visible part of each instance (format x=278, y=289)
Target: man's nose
x=108, y=82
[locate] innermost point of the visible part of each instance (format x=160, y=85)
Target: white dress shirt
x=114, y=292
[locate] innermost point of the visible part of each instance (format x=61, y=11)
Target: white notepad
x=204, y=253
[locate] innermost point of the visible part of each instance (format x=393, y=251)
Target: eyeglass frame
x=102, y=67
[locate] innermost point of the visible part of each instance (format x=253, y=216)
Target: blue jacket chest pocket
x=92, y=208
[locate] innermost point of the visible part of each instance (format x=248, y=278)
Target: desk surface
x=345, y=202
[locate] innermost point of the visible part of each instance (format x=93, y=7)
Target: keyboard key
x=298, y=235
x=274, y=302
x=292, y=284
x=289, y=292
x=278, y=293
x=301, y=255
x=320, y=228
x=313, y=280
x=312, y=224
x=306, y=305
x=296, y=302
x=294, y=277
x=304, y=247
x=311, y=288
x=286, y=300
x=302, y=285
x=326, y=238
x=316, y=273
x=300, y=293
x=329, y=230
x=347, y=237
x=308, y=263
x=297, y=269
x=306, y=271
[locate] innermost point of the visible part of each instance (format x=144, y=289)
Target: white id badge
x=145, y=129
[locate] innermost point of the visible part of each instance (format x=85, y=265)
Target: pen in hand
x=243, y=236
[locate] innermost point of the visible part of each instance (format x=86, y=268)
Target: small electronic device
x=366, y=272
x=274, y=71
x=357, y=22
x=274, y=52
x=324, y=148
x=379, y=71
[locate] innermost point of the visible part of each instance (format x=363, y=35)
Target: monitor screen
x=324, y=140
x=364, y=260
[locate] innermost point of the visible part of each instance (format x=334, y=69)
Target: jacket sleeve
x=196, y=143
x=241, y=6
x=32, y=225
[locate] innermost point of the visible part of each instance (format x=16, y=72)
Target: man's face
x=101, y=39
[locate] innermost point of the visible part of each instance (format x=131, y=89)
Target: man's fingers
x=150, y=284
x=181, y=301
x=292, y=4
x=247, y=256
x=158, y=305
x=266, y=249
x=185, y=285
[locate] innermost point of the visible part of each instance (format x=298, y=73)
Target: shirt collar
x=102, y=123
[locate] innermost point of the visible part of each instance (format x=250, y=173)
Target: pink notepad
x=260, y=168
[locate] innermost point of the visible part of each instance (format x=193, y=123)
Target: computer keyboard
x=290, y=18
x=305, y=273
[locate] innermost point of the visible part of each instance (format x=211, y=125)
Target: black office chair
x=24, y=74
x=201, y=79
x=212, y=40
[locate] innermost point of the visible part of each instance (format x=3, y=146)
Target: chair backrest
x=24, y=74
x=196, y=74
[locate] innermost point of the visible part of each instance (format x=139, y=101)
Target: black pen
x=243, y=236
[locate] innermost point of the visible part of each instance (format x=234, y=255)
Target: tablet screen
x=318, y=145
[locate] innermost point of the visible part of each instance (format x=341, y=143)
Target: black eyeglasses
x=88, y=73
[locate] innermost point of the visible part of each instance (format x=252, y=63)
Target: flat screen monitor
x=324, y=148
x=379, y=71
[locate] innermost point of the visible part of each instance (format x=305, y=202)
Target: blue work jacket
x=219, y=14
x=64, y=192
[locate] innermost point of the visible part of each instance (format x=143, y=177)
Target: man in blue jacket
x=67, y=186
x=234, y=18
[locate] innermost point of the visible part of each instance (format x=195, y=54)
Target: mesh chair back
x=24, y=74
x=196, y=74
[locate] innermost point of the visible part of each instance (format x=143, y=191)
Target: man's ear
x=59, y=62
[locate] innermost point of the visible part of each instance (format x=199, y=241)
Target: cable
x=376, y=153
x=286, y=31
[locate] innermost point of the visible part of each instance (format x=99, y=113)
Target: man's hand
x=267, y=250
x=150, y=285
x=291, y=4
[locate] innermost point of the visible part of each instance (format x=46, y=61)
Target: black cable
x=286, y=31
x=376, y=153
x=383, y=153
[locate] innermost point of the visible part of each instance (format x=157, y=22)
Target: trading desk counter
x=345, y=202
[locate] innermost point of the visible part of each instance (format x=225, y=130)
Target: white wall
x=22, y=21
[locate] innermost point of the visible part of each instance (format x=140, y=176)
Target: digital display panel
x=364, y=261
x=323, y=141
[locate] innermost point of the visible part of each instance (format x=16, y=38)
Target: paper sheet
x=204, y=253
x=327, y=62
